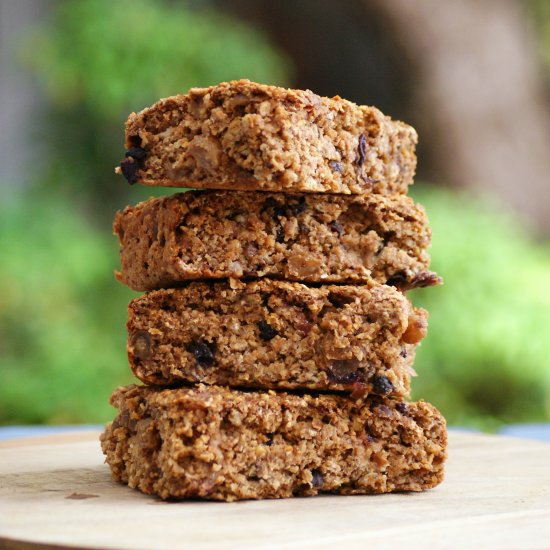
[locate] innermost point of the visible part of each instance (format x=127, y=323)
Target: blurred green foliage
x=485, y=360
x=62, y=341
x=98, y=60
x=62, y=315
x=113, y=57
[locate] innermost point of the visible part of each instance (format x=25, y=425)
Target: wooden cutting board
x=56, y=492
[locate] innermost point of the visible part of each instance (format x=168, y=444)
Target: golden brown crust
x=278, y=335
x=214, y=443
x=300, y=237
x=248, y=136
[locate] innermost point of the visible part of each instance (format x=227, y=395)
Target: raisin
x=360, y=159
x=167, y=305
x=336, y=227
x=367, y=180
x=403, y=353
x=397, y=280
x=304, y=229
x=359, y=390
x=270, y=202
x=381, y=385
x=265, y=298
x=267, y=332
x=250, y=250
x=134, y=141
x=420, y=280
x=340, y=300
x=302, y=324
x=203, y=351
x=424, y=279
x=141, y=344
x=402, y=408
x=344, y=371
x=388, y=237
x=317, y=479
x=383, y=411
x=136, y=153
x=130, y=169
x=279, y=211
x=368, y=432
x=286, y=210
x=298, y=207
x=335, y=166
x=361, y=150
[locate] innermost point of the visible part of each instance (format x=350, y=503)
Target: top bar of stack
x=248, y=136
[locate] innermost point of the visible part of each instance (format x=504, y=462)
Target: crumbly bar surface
x=304, y=237
x=274, y=334
x=243, y=135
x=214, y=443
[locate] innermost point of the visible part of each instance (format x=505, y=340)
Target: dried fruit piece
x=287, y=209
x=335, y=166
x=422, y=279
x=129, y=168
x=361, y=156
x=402, y=408
x=267, y=332
x=340, y=300
x=136, y=153
x=398, y=280
x=382, y=385
x=317, y=479
x=361, y=150
x=203, y=352
x=336, y=227
x=279, y=235
x=416, y=330
x=141, y=344
x=344, y=371
x=359, y=390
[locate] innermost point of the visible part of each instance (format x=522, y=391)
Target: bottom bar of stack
x=223, y=444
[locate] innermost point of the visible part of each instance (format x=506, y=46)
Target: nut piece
x=302, y=265
x=206, y=153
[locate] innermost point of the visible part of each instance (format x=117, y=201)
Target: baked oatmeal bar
x=305, y=237
x=243, y=135
x=273, y=334
x=215, y=443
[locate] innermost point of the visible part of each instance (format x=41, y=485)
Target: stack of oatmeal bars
x=275, y=340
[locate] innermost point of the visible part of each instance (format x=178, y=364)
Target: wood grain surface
x=56, y=492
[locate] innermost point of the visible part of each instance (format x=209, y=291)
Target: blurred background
x=472, y=77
